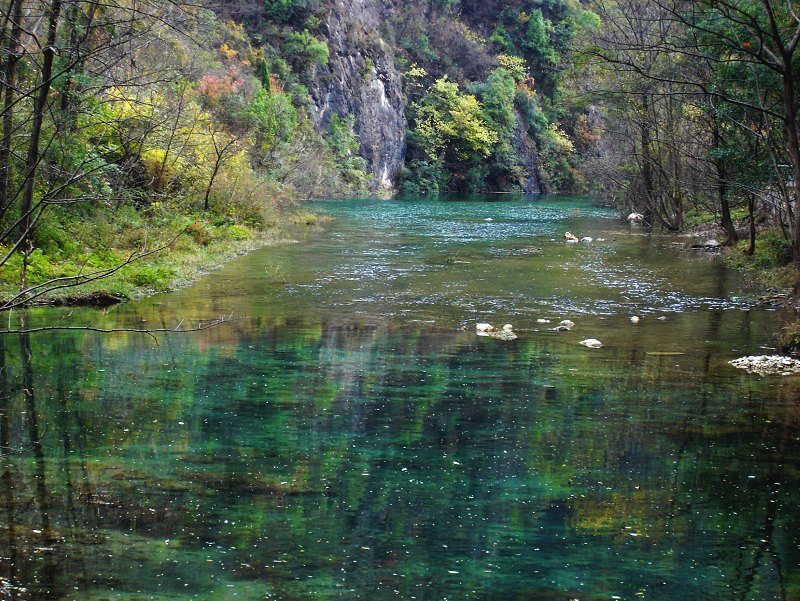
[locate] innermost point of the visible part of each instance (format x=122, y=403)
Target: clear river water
x=348, y=436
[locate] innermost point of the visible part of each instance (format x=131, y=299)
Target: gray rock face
x=361, y=80
x=528, y=155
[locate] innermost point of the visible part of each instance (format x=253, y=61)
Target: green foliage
x=422, y=177
x=500, y=37
x=304, y=50
x=236, y=232
x=515, y=65
x=280, y=10
x=345, y=146
x=290, y=11
x=518, y=93
x=155, y=278
x=695, y=217
x=773, y=250
x=273, y=116
x=537, y=44
x=451, y=132
x=451, y=122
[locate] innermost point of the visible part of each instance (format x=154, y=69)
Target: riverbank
x=770, y=269
x=172, y=255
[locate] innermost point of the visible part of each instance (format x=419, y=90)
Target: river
x=348, y=436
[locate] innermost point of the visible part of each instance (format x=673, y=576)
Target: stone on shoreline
x=768, y=365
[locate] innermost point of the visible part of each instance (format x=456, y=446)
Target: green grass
x=771, y=264
x=191, y=245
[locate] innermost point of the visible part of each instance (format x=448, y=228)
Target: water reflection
x=338, y=453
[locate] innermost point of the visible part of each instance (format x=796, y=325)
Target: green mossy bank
x=136, y=259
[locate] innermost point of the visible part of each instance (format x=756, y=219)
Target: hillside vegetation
x=130, y=128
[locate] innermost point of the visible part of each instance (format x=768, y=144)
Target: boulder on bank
x=768, y=365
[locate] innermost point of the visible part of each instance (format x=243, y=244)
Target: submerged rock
x=635, y=218
x=591, y=343
x=486, y=329
x=503, y=335
x=768, y=365
x=635, y=319
x=570, y=237
x=587, y=239
x=564, y=326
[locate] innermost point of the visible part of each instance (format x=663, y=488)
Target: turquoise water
x=348, y=436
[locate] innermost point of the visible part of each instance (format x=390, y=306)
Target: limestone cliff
x=361, y=79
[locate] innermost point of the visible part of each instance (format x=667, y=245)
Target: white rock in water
x=484, y=327
x=507, y=333
x=570, y=237
x=587, y=239
x=768, y=365
x=567, y=324
x=635, y=319
x=635, y=217
x=713, y=243
x=542, y=321
x=592, y=343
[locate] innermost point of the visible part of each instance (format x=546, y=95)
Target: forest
x=139, y=136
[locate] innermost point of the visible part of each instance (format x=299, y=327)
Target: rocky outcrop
x=528, y=157
x=361, y=79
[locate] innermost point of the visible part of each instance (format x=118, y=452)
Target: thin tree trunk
x=33, y=158
x=647, y=161
x=793, y=147
x=211, y=183
x=722, y=190
x=751, y=209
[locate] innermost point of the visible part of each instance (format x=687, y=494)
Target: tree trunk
x=793, y=148
x=647, y=162
x=9, y=85
x=722, y=189
x=211, y=183
x=751, y=209
x=40, y=104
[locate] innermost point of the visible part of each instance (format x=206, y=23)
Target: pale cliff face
x=361, y=79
